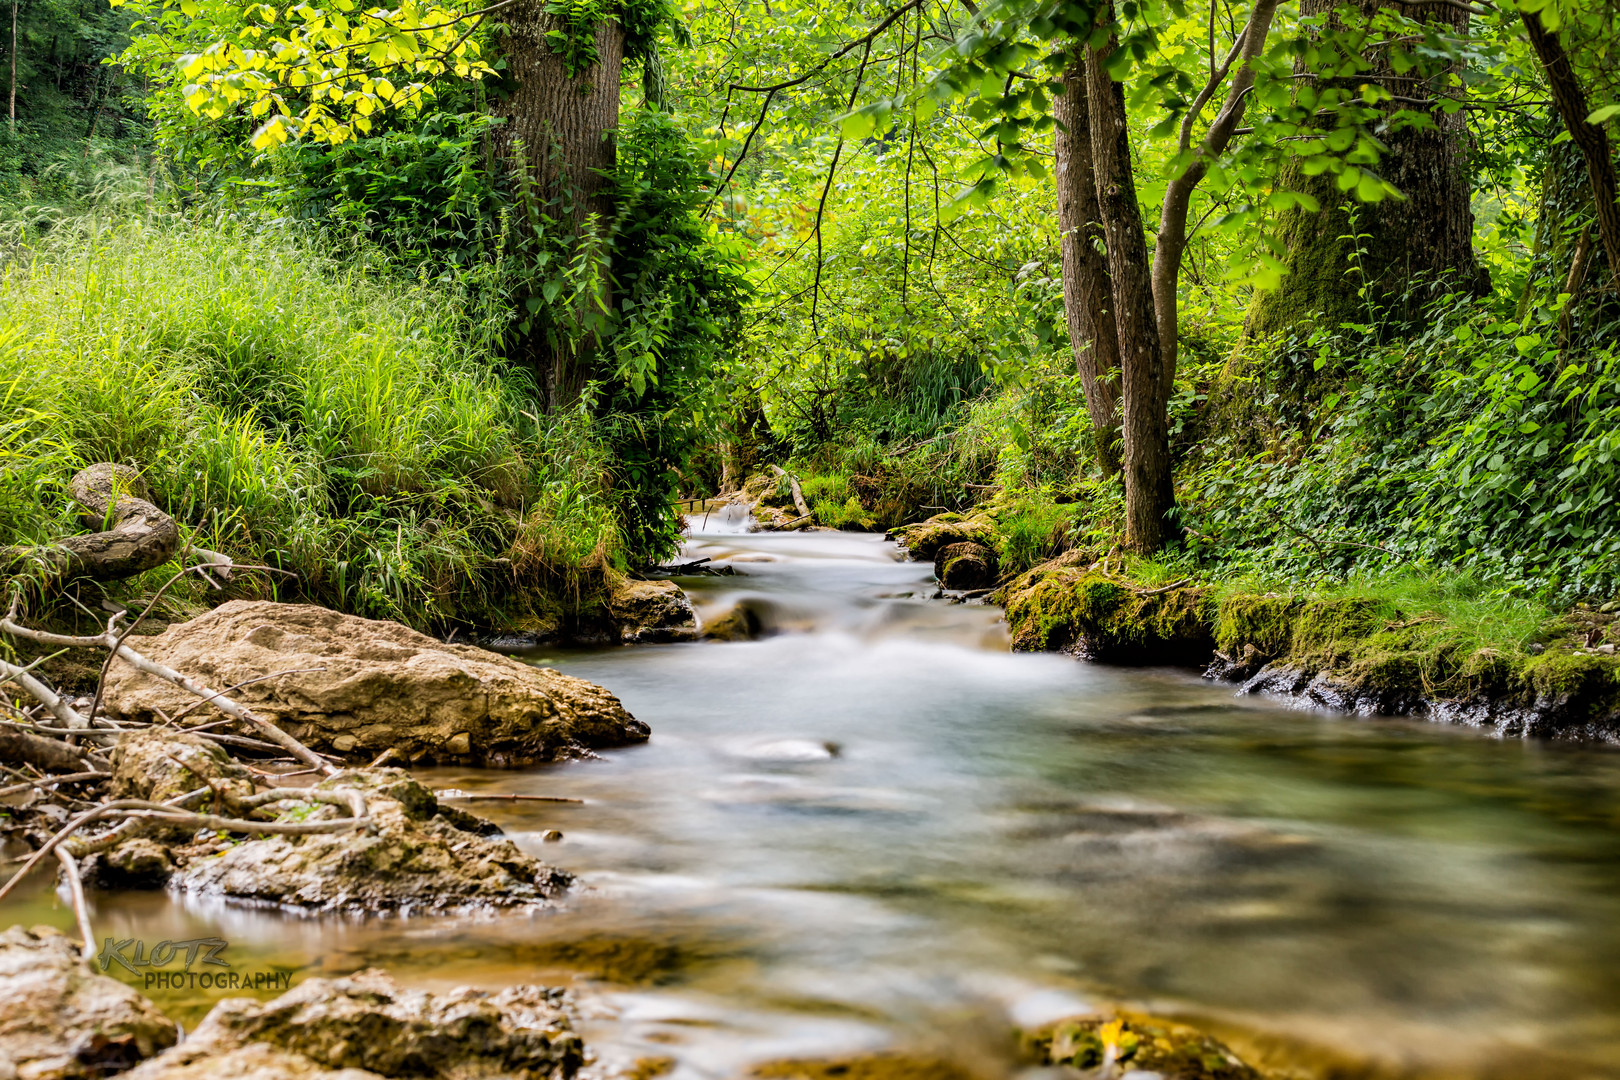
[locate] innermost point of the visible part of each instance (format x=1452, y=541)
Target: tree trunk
x=1087, y=289
x=1410, y=250
x=559, y=129
x=1592, y=139
x=13, y=114
x=1149, y=495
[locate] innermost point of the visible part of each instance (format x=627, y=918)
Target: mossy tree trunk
x=560, y=128
x=1087, y=289
x=1403, y=252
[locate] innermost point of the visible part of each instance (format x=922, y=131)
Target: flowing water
x=876, y=827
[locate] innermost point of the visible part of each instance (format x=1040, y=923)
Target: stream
x=878, y=828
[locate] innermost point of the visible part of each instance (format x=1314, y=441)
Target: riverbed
x=876, y=827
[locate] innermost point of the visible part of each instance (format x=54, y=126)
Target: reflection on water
x=878, y=827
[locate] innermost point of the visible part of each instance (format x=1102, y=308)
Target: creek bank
x=1356, y=654
x=413, y=855
x=355, y=688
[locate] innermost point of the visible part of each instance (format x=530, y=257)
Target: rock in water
x=59, y=1020
x=365, y=1026
x=414, y=858
x=356, y=687
x=966, y=565
x=648, y=611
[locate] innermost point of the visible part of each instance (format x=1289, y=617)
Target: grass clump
x=324, y=417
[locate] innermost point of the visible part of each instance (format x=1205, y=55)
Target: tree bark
x=1149, y=494
x=13, y=113
x=1411, y=250
x=1592, y=139
x=559, y=129
x=1087, y=288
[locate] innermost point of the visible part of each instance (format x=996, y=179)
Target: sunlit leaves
x=309, y=71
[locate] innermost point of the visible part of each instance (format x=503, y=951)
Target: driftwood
x=41, y=753
x=798, y=495
x=134, y=535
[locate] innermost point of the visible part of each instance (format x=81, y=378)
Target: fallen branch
x=793, y=485
x=74, y=824
x=1162, y=588
x=786, y=524
x=81, y=910
x=50, y=755
x=52, y=781
x=464, y=796
x=43, y=694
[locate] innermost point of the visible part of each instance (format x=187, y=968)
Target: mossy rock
x=1062, y=607
x=1138, y=1044
x=966, y=565
x=924, y=539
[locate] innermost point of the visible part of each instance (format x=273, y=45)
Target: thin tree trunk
x=1087, y=290
x=1149, y=495
x=1171, y=243
x=564, y=126
x=13, y=115
x=1591, y=138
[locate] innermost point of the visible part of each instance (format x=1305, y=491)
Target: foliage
x=327, y=418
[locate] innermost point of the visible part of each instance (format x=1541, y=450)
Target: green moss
x=1265, y=622
x=924, y=539
x=1065, y=606
x=1137, y=1044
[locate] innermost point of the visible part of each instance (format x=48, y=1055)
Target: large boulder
x=416, y=857
x=357, y=687
x=59, y=1020
x=366, y=1026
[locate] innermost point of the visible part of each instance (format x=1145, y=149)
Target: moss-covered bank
x=1363, y=654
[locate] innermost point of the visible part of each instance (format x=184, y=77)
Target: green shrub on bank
x=327, y=418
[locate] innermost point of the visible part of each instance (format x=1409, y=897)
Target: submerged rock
x=366, y=1026
x=59, y=1020
x=1137, y=1046
x=740, y=622
x=649, y=611
x=967, y=564
x=890, y=1066
x=357, y=687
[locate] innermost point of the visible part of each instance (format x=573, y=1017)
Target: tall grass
x=319, y=415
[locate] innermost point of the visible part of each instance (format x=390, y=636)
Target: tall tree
x=1088, y=292
x=1397, y=252
x=560, y=124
